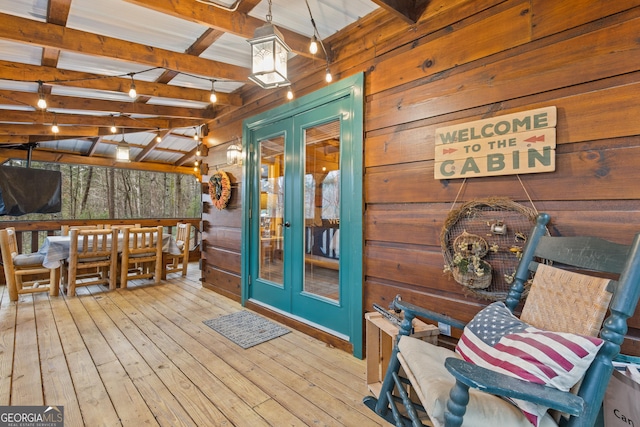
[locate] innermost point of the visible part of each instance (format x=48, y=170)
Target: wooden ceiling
x=86, y=59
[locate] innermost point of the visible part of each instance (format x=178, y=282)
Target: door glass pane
x=322, y=210
x=271, y=209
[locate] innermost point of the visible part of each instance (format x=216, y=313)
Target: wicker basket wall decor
x=491, y=232
x=469, y=269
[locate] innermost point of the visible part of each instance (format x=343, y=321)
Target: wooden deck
x=142, y=357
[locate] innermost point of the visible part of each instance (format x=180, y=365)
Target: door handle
x=287, y=224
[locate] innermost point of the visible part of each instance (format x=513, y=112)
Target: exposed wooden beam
x=205, y=40
x=187, y=157
x=54, y=76
x=247, y=6
x=13, y=129
x=74, y=103
x=50, y=57
x=238, y=23
x=49, y=35
x=42, y=155
x=408, y=10
x=94, y=146
x=39, y=117
x=151, y=145
x=14, y=139
x=58, y=11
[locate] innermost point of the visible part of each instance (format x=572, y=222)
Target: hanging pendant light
x=132, y=89
x=122, y=150
x=313, y=45
x=327, y=75
x=213, y=97
x=54, y=127
x=269, y=55
x=114, y=129
x=234, y=154
x=42, y=103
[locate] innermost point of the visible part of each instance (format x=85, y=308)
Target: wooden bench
x=330, y=263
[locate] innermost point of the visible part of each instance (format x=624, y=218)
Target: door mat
x=246, y=328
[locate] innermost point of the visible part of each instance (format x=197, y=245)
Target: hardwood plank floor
x=142, y=357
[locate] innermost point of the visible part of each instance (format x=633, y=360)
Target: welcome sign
x=518, y=143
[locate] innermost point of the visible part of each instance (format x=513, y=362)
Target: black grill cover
x=26, y=190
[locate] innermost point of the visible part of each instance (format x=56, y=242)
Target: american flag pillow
x=495, y=339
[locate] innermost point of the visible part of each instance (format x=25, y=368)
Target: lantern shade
x=234, y=154
x=269, y=55
x=122, y=152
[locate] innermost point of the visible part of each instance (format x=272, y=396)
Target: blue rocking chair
x=549, y=367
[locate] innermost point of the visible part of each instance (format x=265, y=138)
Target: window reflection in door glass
x=271, y=209
x=322, y=210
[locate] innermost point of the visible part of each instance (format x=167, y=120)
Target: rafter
x=42, y=155
x=187, y=157
x=49, y=35
x=14, y=139
x=408, y=10
x=151, y=146
x=77, y=131
x=74, y=103
x=54, y=76
x=57, y=13
x=39, y=117
x=237, y=22
x=94, y=146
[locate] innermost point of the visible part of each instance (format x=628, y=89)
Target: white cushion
x=432, y=382
x=28, y=260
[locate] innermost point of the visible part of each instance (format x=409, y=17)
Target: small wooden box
x=381, y=335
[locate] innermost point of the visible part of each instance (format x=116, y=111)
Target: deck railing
x=32, y=234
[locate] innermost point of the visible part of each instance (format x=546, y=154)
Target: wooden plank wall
x=221, y=231
x=468, y=60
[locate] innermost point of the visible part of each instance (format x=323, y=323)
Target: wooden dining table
x=56, y=249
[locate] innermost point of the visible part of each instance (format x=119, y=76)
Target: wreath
x=220, y=189
x=482, y=242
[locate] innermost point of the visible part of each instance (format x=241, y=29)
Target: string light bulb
x=54, y=127
x=198, y=151
x=213, y=97
x=113, y=129
x=290, y=94
x=313, y=46
x=132, y=88
x=158, y=137
x=42, y=103
x=328, y=77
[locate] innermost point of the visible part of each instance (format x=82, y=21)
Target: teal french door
x=302, y=233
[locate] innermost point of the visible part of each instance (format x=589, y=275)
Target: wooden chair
x=121, y=227
x=567, y=301
x=92, y=250
x=179, y=263
x=20, y=269
x=64, y=230
x=143, y=247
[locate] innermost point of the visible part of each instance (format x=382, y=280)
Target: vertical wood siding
x=465, y=61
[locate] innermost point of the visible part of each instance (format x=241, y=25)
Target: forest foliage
x=90, y=192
